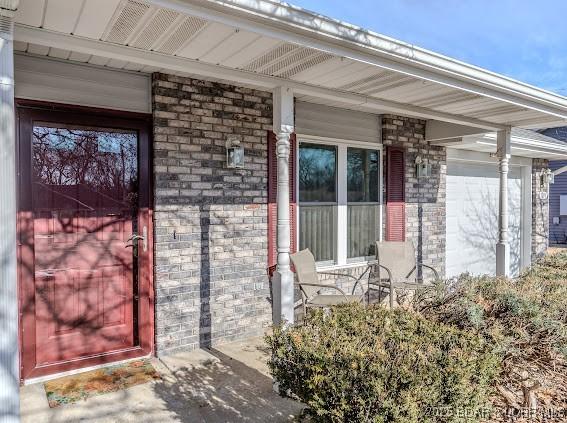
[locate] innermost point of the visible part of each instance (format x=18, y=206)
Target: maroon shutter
x=272, y=198
x=395, y=195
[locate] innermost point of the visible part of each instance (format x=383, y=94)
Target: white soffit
x=234, y=40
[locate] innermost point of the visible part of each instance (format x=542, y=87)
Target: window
x=318, y=200
x=363, y=167
x=339, y=201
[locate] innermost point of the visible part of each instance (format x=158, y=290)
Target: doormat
x=70, y=389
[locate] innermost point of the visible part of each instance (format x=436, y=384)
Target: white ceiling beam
x=292, y=24
x=436, y=131
x=458, y=142
x=205, y=70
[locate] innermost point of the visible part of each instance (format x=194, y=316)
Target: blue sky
x=523, y=39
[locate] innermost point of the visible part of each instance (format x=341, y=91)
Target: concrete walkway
x=227, y=384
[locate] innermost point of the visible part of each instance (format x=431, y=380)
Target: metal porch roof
x=266, y=43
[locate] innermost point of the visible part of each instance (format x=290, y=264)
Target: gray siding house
x=557, y=217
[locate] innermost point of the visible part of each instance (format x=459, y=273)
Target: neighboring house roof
x=559, y=133
x=268, y=44
x=534, y=135
x=536, y=144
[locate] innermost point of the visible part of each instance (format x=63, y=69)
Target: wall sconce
x=547, y=177
x=234, y=154
x=422, y=167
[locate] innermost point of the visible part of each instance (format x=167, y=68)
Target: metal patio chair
x=311, y=287
x=400, y=262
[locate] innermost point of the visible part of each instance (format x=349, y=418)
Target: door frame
x=26, y=112
x=525, y=165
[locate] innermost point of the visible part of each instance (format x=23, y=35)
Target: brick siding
x=210, y=221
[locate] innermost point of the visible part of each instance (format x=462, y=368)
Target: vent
x=274, y=55
x=362, y=82
x=6, y=26
x=127, y=20
x=444, y=100
x=182, y=34
x=313, y=59
x=157, y=26
x=387, y=83
x=287, y=61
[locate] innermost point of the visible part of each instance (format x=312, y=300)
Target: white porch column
x=503, y=245
x=282, y=282
x=9, y=363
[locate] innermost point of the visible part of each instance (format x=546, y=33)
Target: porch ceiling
x=264, y=43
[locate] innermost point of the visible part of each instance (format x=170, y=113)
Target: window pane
x=84, y=167
x=363, y=230
x=317, y=173
x=317, y=231
x=363, y=175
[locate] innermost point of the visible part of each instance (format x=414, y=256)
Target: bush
x=357, y=364
x=525, y=322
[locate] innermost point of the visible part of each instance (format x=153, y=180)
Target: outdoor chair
x=403, y=271
x=311, y=287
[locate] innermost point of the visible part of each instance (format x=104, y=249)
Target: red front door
x=84, y=239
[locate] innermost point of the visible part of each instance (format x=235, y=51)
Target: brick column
x=211, y=232
x=425, y=197
x=540, y=210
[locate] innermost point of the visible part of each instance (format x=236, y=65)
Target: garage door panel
x=472, y=218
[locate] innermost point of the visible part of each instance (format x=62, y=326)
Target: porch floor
x=229, y=383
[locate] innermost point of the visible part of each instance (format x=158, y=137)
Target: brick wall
x=540, y=210
x=425, y=197
x=210, y=221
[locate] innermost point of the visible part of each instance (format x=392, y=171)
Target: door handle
x=136, y=237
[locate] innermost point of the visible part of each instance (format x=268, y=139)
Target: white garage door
x=472, y=218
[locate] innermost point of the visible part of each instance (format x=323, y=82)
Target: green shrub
x=357, y=364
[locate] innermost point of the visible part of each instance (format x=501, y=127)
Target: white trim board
x=334, y=123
